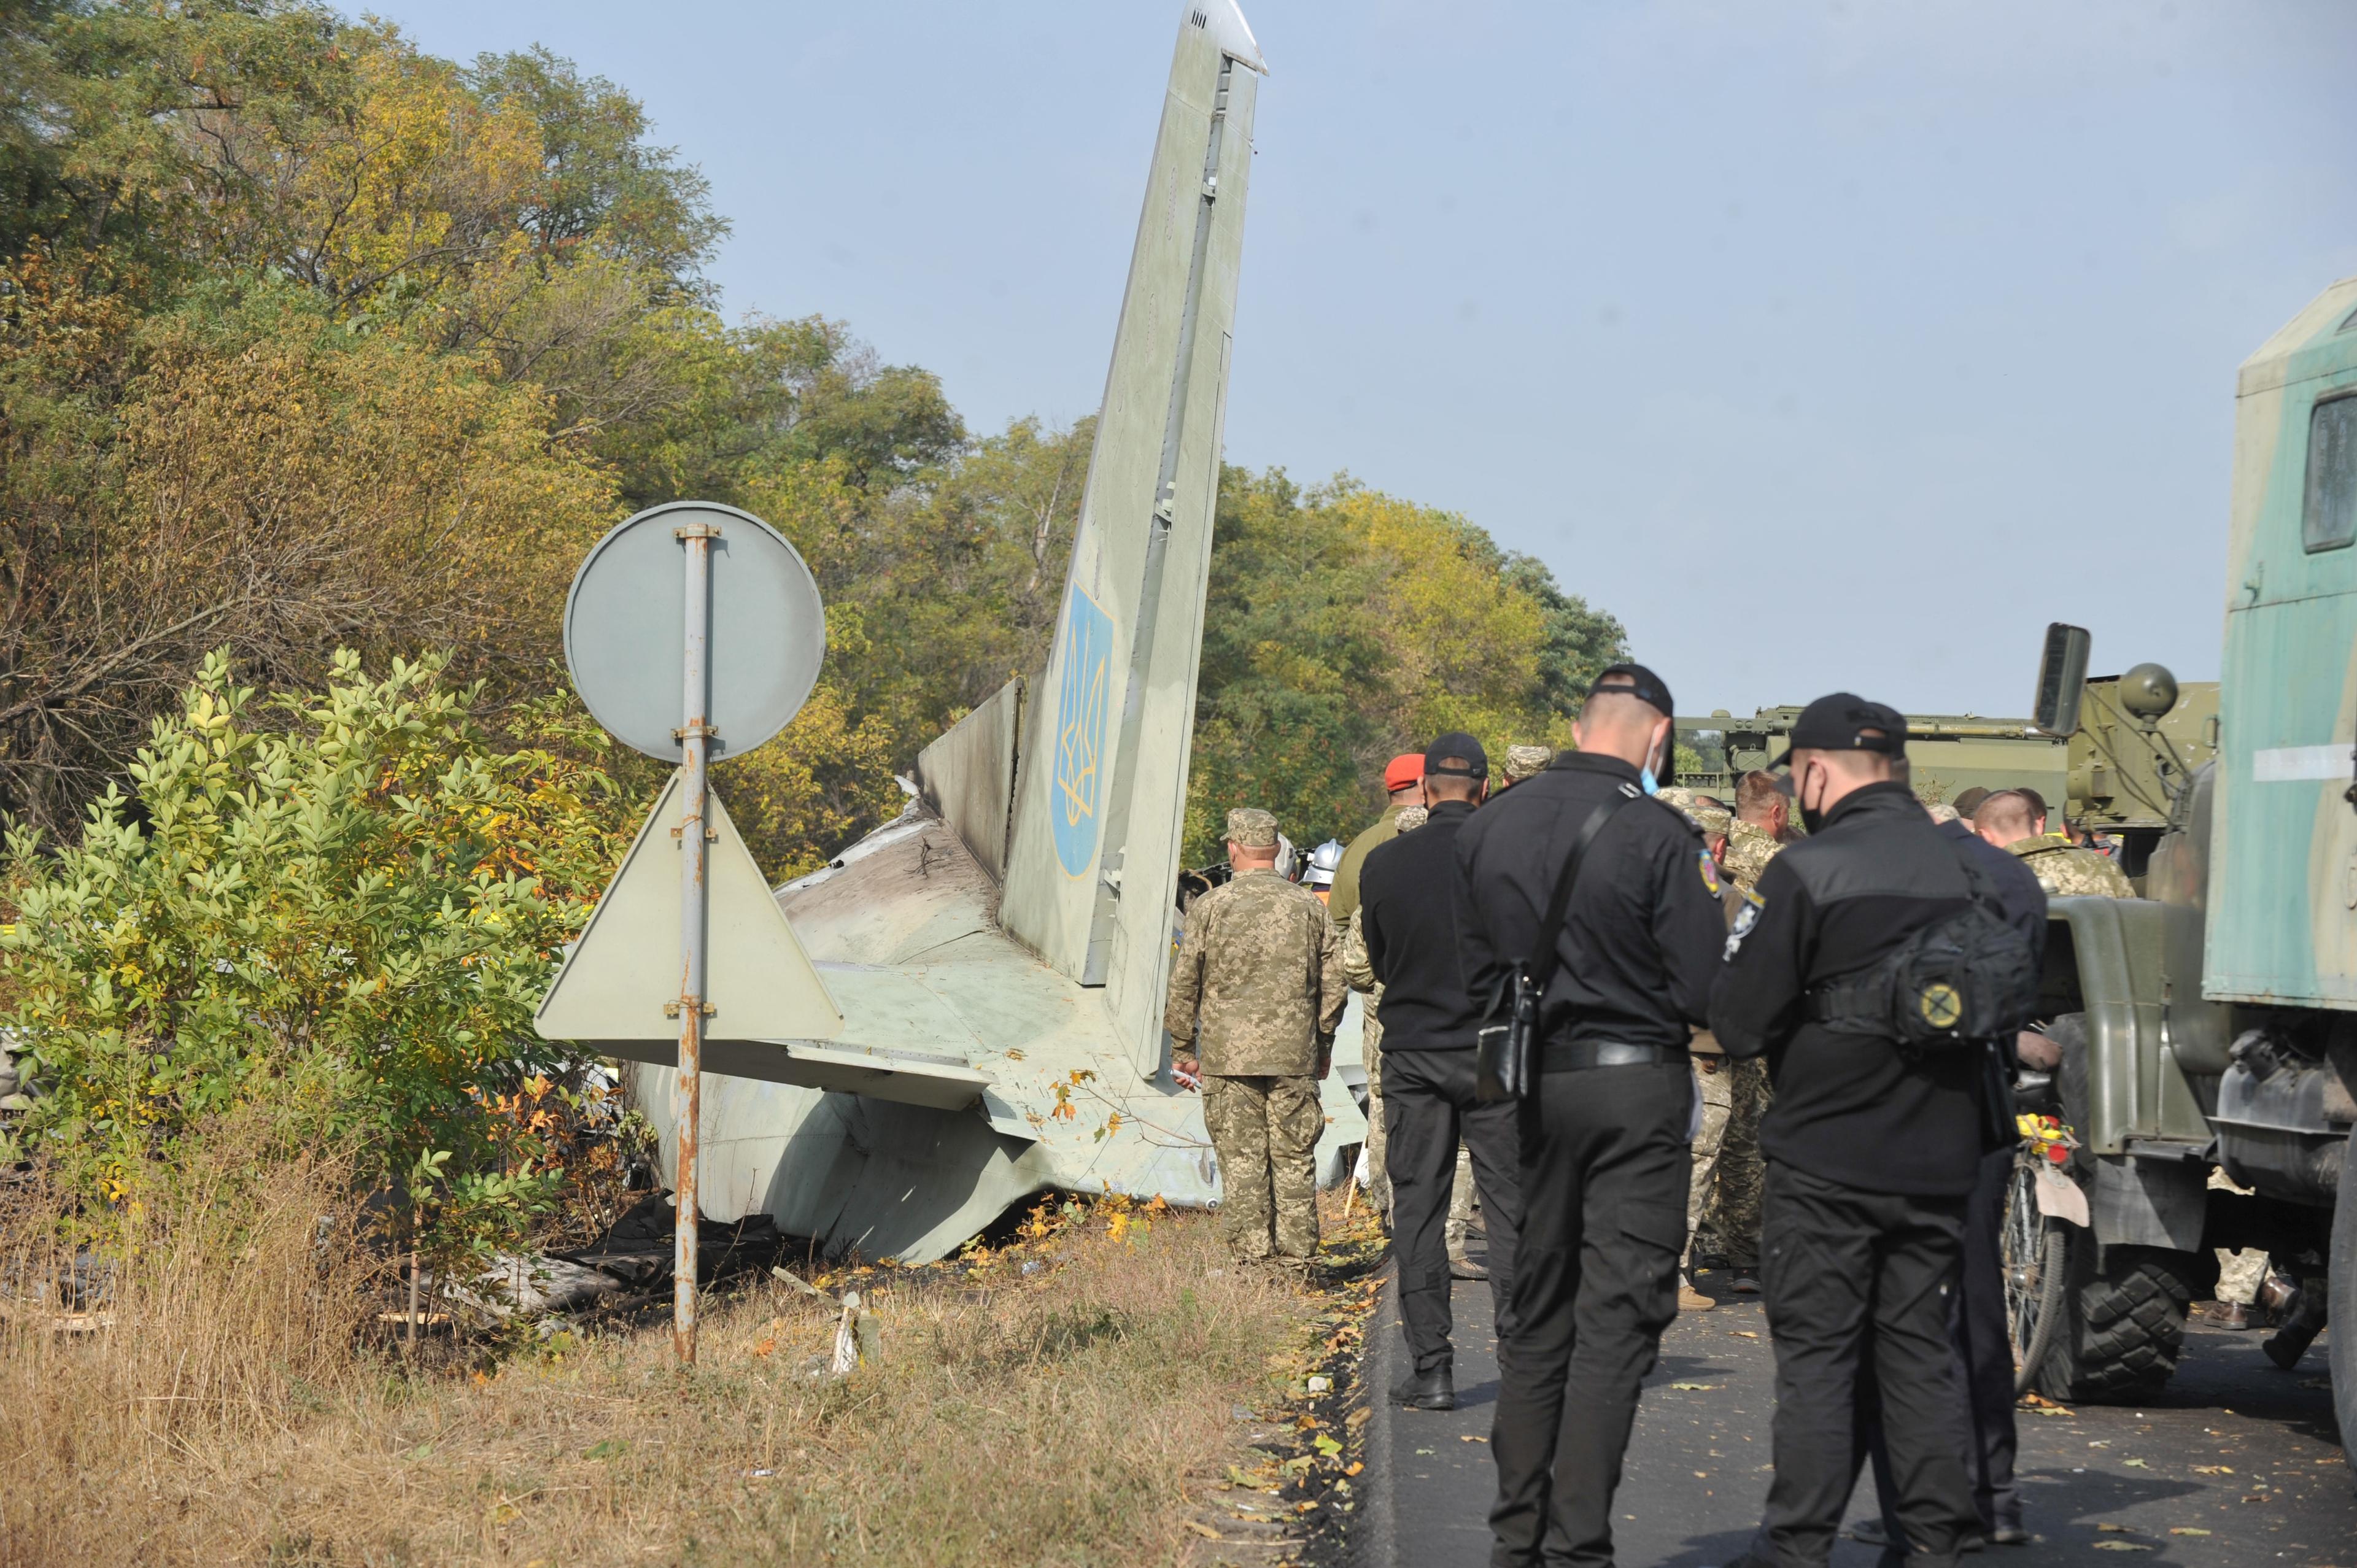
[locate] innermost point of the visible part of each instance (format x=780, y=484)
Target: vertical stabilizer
x=1094, y=860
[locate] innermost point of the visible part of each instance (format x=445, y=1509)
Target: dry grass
x=1060, y=1416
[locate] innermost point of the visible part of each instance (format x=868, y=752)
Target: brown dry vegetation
x=224, y=1415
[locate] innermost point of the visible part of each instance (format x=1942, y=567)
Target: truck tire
x=2341, y=1301
x=2123, y=1325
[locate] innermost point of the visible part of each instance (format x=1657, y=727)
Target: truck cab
x=2210, y=1026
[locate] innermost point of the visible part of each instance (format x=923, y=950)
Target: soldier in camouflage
x=1254, y=996
x=2015, y=820
x=1760, y=831
x=1713, y=1073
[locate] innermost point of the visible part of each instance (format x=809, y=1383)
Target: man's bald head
x=1616, y=722
x=2009, y=816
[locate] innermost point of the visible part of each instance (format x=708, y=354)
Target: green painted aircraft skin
x=999, y=953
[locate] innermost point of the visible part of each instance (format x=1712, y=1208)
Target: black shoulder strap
x=1542, y=961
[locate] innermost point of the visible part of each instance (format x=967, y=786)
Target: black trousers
x=1985, y=1433
x=1428, y=1107
x=1858, y=1286
x=1605, y=1169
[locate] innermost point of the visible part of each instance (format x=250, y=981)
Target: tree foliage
x=361, y=903
x=1345, y=627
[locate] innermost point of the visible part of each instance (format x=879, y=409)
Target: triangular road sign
x=625, y=968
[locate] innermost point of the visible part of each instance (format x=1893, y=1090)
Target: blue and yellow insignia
x=1077, y=783
x=1710, y=870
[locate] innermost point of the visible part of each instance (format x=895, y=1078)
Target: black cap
x=1456, y=747
x=1842, y=723
x=1638, y=682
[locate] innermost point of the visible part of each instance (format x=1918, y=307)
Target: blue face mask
x=1647, y=782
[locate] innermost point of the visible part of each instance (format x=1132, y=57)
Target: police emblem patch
x=1709, y=871
x=1745, y=918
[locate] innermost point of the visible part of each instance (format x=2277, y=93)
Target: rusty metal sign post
x=687, y=1084
x=735, y=689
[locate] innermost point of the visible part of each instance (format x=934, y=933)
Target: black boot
x=1436, y=1390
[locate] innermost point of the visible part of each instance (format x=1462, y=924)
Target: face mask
x=1645, y=778
x=1812, y=817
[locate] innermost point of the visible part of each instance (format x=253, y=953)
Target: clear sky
x=1827, y=345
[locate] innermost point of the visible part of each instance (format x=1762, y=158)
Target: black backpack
x=1966, y=979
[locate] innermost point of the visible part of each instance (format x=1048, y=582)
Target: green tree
x=360, y=901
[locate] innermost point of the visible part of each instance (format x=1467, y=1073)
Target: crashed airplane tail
x=1093, y=853
x=999, y=954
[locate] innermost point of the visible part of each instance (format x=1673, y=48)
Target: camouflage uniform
x=1526, y=762
x=1360, y=970
x=1734, y=1212
x=2066, y=871
x=1714, y=1078
x=1749, y=848
x=1254, y=995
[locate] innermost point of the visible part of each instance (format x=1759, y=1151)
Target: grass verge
x=1108, y=1389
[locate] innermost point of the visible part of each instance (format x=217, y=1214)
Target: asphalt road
x=2245, y=1453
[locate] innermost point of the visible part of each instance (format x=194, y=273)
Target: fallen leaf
x=1743, y=1334
x=1697, y=1388
x=1468, y=1437
x=1353, y=1467
x=1205, y=1531
x=2122, y=1546
x=2136, y=1464
x=2213, y=1469
x=2186, y=1530
x=765, y=1348
x=2116, y=1528
x=1701, y=1474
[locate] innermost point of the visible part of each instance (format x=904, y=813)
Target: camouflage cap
x=1252, y=827
x=1412, y=818
x=1527, y=762
x=1713, y=819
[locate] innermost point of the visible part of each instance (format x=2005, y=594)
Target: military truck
x=2117, y=774
x=2210, y=1026
x=1947, y=753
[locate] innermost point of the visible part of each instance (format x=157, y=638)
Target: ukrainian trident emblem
x=1076, y=783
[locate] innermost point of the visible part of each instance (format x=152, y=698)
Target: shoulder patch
x=1746, y=917
x=1709, y=868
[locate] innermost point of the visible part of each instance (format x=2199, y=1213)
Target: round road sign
x=626, y=622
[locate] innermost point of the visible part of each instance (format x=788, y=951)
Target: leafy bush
x=353, y=913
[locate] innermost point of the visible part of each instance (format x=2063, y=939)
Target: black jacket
x=1851, y=1108
x=1407, y=903
x=1642, y=936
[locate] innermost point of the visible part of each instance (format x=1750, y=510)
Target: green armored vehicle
x=1947, y=753
x=2211, y=1024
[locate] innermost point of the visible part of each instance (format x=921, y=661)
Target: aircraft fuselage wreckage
x=999, y=954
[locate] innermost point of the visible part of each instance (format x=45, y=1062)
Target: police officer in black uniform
x=1872, y=1148
x=1408, y=912
x=1605, y=1129
x=1978, y=1325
